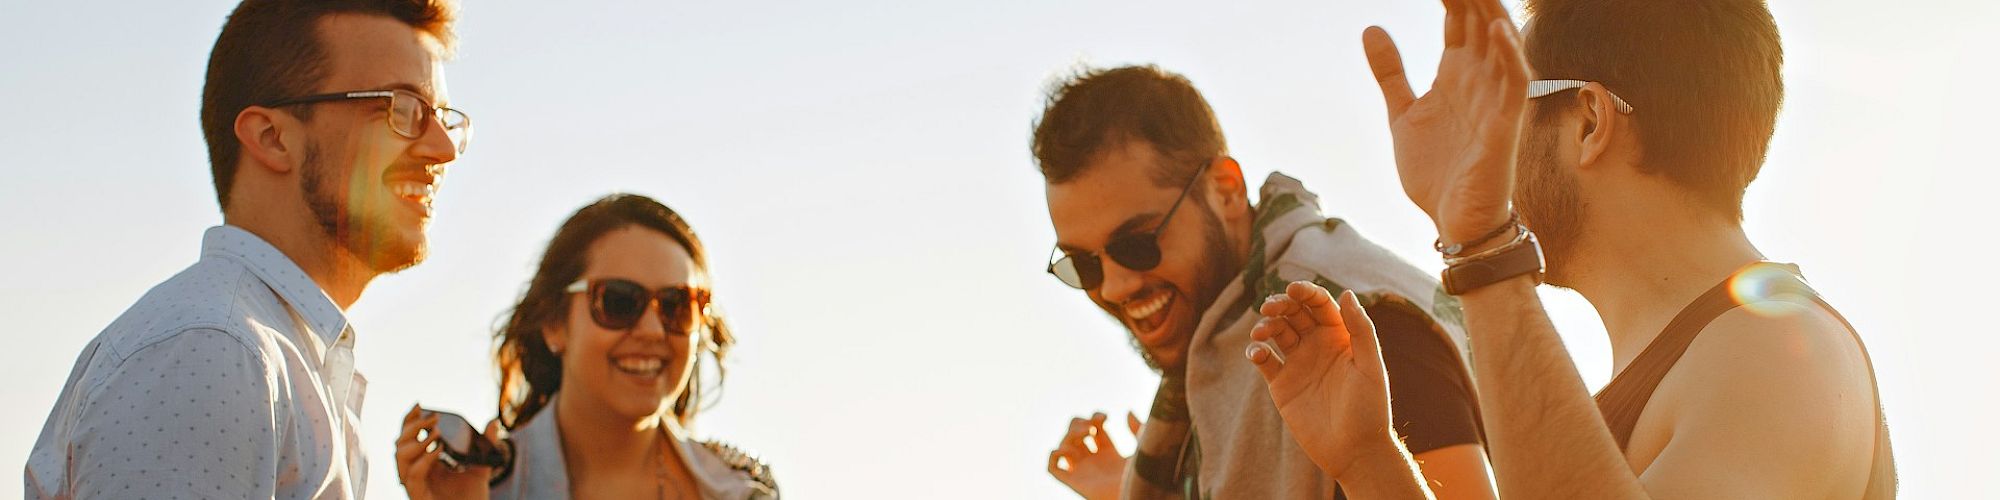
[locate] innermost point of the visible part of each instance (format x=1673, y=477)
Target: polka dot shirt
x=233, y=379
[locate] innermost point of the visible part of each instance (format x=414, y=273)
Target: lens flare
x=1760, y=288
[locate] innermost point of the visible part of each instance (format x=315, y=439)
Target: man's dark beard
x=330, y=210
x=1218, y=266
x=1549, y=200
x=325, y=206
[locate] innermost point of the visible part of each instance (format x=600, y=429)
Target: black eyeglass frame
x=1121, y=248
x=431, y=112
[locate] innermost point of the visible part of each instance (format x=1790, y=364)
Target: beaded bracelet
x=1452, y=251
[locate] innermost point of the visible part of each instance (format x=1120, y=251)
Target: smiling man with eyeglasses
x=1154, y=224
x=327, y=135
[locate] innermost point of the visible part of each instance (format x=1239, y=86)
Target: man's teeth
x=1148, y=308
x=409, y=189
x=639, y=365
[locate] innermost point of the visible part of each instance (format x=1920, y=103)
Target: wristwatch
x=1518, y=257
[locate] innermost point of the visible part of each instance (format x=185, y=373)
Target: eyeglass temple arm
x=1177, y=201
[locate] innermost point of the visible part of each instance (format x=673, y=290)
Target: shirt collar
x=281, y=274
x=1284, y=206
x=716, y=478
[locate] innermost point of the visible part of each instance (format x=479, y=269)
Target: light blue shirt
x=233, y=379
x=540, y=472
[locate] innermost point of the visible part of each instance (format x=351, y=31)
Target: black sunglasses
x=618, y=304
x=1136, y=251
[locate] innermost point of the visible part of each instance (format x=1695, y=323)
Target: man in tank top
x=1645, y=122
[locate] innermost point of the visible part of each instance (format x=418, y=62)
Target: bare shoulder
x=1793, y=346
x=1778, y=390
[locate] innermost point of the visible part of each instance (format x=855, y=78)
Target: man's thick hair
x=1704, y=78
x=1100, y=109
x=271, y=49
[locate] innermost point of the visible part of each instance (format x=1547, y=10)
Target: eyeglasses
x=1543, y=88
x=409, y=114
x=618, y=304
x=1136, y=251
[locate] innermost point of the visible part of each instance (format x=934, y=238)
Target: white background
x=860, y=172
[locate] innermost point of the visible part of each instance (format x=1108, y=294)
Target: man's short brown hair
x=271, y=50
x=1099, y=109
x=1703, y=77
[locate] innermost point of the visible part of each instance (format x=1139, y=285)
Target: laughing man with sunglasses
x=1154, y=224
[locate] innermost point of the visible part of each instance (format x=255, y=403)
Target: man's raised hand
x=1087, y=462
x=1455, y=146
x=1331, y=388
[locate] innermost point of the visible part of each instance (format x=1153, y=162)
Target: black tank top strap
x=1624, y=399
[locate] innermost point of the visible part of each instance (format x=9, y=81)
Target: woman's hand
x=418, y=466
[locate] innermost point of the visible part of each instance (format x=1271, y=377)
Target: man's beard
x=346, y=223
x=1551, y=204
x=1219, y=264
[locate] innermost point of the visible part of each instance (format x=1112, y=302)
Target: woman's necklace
x=661, y=475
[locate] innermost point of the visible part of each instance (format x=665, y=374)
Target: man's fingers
x=1055, y=464
x=1077, y=429
x=1506, y=75
x=1367, y=349
x=1277, y=306
x=1318, y=303
x=1513, y=66
x=1279, y=333
x=1296, y=314
x=1072, y=442
x=1098, y=436
x=1454, y=23
x=1490, y=10
x=1267, y=365
x=1282, y=310
x=1387, y=63
x=1073, y=449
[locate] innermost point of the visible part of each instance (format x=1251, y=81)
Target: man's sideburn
x=1548, y=196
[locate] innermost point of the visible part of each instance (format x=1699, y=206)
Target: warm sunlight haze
x=877, y=230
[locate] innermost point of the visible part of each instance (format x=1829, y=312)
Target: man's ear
x=1601, y=124
x=268, y=138
x=1225, y=181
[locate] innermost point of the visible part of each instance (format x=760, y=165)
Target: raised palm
x=1455, y=146
x=1331, y=388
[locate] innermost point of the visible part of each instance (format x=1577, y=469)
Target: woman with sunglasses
x=599, y=375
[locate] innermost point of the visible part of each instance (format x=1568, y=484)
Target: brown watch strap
x=1520, y=258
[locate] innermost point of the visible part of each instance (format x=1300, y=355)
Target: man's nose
x=434, y=144
x=1120, y=284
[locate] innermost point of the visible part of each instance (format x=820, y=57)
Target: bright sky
x=860, y=173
